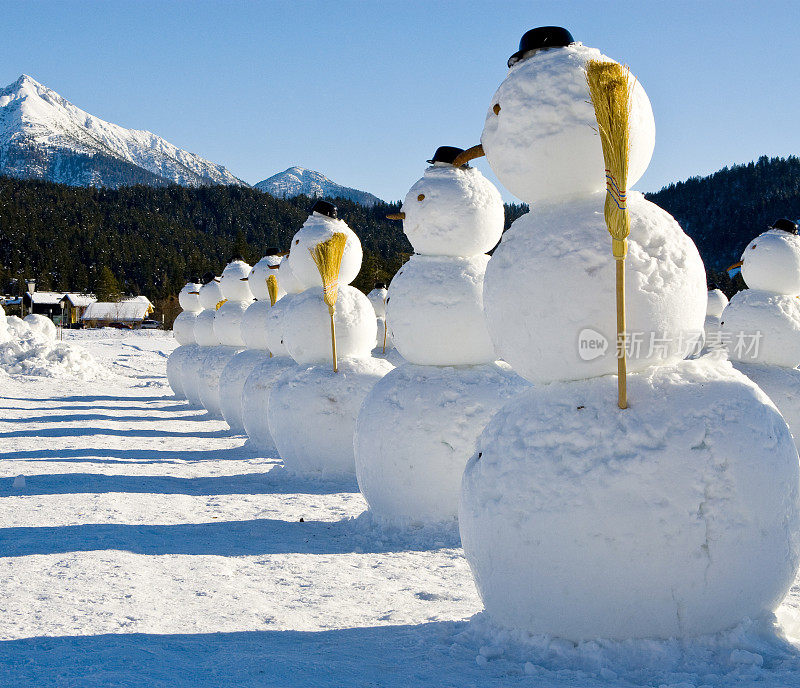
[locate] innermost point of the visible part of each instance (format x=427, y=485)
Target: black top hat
x=194, y=280
x=272, y=251
x=380, y=285
x=446, y=154
x=785, y=225
x=235, y=257
x=208, y=277
x=542, y=37
x=325, y=208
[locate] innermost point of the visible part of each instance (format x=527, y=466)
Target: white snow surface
x=286, y=279
x=676, y=517
x=257, y=280
x=716, y=303
x=435, y=311
x=42, y=326
x=771, y=262
x=377, y=297
x=782, y=386
x=307, y=325
x=189, y=297
x=453, y=212
x=34, y=116
x=175, y=370
x=204, y=331
x=210, y=295
x=415, y=432
x=148, y=547
x=234, y=281
x=228, y=322
x=231, y=385
x=274, y=326
x=209, y=376
x=183, y=327
x=312, y=414
x=543, y=143
x=253, y=325
x=255, y=400
x=550, y=287
x=316, y=229
x=762, y=327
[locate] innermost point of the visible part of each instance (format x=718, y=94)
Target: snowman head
x=189, y=296
x=771, y=261
x=453, y=210
x=234, y=281
x=540, y=135
x=210, y=292
x=265, y=267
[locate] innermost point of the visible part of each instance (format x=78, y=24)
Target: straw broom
x=611, y=90
x=327, y=256
x=272, y=288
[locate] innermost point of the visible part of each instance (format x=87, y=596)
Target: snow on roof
x=45, y=298
x=79, y=300
x=129, y=310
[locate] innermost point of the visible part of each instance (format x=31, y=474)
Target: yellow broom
x=272, y=288
x=327, y=256
x=611, y=90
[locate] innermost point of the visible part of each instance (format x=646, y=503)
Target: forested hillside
x=725, y=210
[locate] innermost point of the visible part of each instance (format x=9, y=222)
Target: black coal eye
x=496, y=108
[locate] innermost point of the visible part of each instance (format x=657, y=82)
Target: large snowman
x=236, y=297
x=183, y=331
x=209, y=296
x=258, y=385
x=674, y=517
x=760, y=327
x=418, y=426
x=253, y=335
x=312, y=409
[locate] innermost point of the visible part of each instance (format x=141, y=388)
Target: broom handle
x=622, y=369
x=384, y=334
x=333, y=343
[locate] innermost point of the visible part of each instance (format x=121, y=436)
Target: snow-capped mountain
x=298, y=180
x=44, y=136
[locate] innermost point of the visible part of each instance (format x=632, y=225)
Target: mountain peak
x=296, y=181
x=44, y=136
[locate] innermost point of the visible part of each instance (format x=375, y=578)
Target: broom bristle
x=611, y=89
x=221, y=303
x=327, y=256
x=272, y=288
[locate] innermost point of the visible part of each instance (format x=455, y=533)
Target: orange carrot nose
x=396, y=216
x=469, y=154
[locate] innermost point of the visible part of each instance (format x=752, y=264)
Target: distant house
x=43, y=302
x=131, y=312
x=74, y=305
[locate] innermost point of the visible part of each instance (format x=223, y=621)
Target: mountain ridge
x=301, y=181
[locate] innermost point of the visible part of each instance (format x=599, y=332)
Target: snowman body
x=760, y=326
x=419, y=424
x=252, y=329
x=183, y=331
x=236, y=297
x=579, y=519
x=318, y=441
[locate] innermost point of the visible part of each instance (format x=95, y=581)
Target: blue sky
x=365, y=91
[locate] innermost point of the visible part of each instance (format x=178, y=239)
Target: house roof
x=129, y=310
x=45, y=298
x=79, y=300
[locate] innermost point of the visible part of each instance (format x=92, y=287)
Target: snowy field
x=148, y=547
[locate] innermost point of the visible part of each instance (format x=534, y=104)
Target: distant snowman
x=760, y=327
x=419, y=425
x=312, y=409
x=258, y=385
x=183, y=331
x=209, y=296
x=253, y=335
x=674, y=517
x=236, y=298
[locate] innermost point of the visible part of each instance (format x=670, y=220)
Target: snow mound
x=29, y=352
x=42, y=325
x=676, y=517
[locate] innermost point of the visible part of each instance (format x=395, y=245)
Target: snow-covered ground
x=148, y=547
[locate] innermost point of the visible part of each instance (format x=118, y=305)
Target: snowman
x=183, y=331
x=714, y=306
x=419, y=425
x=673, y=517
x=760, y=327
x=311, y=408
x=236, y=298
x=209, y=296
x=253, y=335
x=377, y=297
